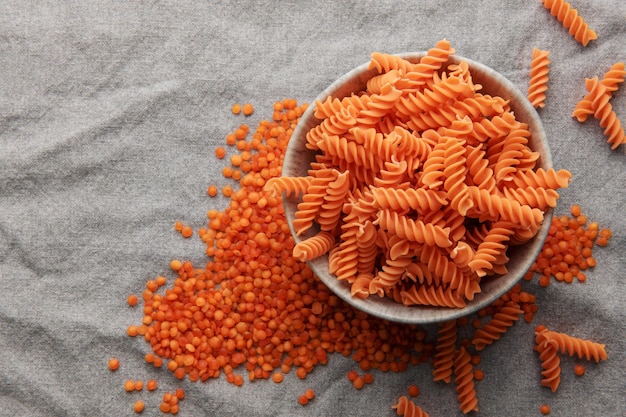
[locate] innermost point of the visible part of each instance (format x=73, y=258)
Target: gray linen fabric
x=109, y=115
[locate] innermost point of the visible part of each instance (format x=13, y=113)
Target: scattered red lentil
x=414, y=390
x=236, y=108
x=579, y=370
x=352, y=375
x=277, y=377
x=309, y=394
x=132, y=300
x=358, y=383
x=187, y=231
x=248, y=109
x=113, y=364
x=479, y=375
x=567, y=251
x=129, y=385
x=152, y=384
x=131, y=331
x=545, y=409
x=139, y=406
x=212, y=190
x=220, y=152
x=303, y=399
x=368, y=378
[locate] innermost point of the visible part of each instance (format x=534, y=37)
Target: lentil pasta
x=408, y=170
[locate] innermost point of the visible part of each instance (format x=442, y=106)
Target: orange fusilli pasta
x=464, y=380
x=444, y=351
x=407, y=169
x=407, y=408
x=550, y=364
x=501, y=321
x=538, y=85
x=611, y=81
x=571, y=20
x=603, y=111
x=571, y=345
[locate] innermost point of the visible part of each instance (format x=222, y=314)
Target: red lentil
x=248, y=109
x=236, y=108
x=220, y=152
x=414, y=390
x=309, y=394
x=579, y=370
x=152, y=384
x=113, y=364
x=139, y=406
x=545, y=409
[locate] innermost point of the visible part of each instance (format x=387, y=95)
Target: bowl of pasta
x=419, y=187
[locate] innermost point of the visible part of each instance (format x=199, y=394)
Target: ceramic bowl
x=298, y=158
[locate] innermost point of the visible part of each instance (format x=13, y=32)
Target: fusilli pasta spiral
x=314, y=246
x=550, y=363
x=464, y=380
x=603, y=111
x=569, y=17
x=423, y=181
x=539, y=70
x=497, y=326
x=445, y=350
x=571, y=345
x=611, y=80
x=407, y=408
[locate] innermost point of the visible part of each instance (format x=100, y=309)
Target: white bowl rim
x=492, y=288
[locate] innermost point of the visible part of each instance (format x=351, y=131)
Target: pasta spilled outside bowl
x=419, y=187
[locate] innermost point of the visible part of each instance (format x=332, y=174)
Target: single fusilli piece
x=289, y=185
x=539, y=197
x=611, y=80
x=336, y=124
x=445, y=349
x=432, y=62
x=452, y=88
x=501, y=321
x=314, y=246
x=494, y=244
x=387, y=62
x=330, y=214
x=360, y=287
x=390, y=273
x=546, y=178
x=379, y=105
x=550, y=363
x=454, y=174
x=376, y=83
x=407, y=408
x=432, y=295
x=308, y=209
x=399, y=199
x=571, y=345
x=571, y=20
x=464, y=380
x=367, y=248
x=603, y=111
x=479, y=174
x=495, y=207
x=344, y=261
x=538, y=85
x=414, y=230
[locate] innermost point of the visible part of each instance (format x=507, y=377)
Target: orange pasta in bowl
x=419, y=187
